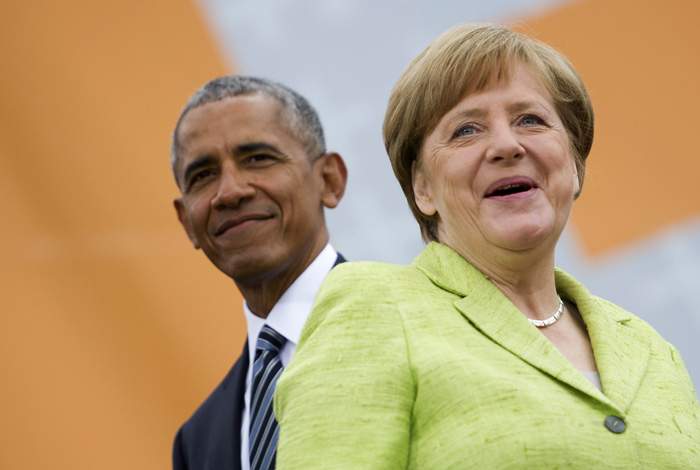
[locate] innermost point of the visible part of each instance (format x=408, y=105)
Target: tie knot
x=269, y=340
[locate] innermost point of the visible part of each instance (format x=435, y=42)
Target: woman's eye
x=531, y=120
x=465, y=131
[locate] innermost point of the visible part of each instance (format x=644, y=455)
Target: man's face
x=251, y=196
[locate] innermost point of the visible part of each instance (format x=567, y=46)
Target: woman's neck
x=525, y=277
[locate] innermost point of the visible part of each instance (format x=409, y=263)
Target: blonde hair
x=465, y=60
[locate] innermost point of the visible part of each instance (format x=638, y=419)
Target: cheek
x=567, y=186
x=458, y=201
x=462, y=181
x=558, y=160
x=571, y=172
x=297, y=201
x=199, y=215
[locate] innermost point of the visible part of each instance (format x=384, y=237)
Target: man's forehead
x=240, y=110
x=233, y=118
x=230, y=125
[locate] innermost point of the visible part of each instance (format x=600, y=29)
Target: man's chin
x=251, y=267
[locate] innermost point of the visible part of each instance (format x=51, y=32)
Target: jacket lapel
x=225, y=445
x=621, y=352
x=339, y=259
x=496, y=317
x=238, y=393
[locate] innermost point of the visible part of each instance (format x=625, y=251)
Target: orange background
x=640, y=61
x=113, y=328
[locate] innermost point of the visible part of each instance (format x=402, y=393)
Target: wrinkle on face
x=455, y=164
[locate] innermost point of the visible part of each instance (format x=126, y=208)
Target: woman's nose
x=504, y=145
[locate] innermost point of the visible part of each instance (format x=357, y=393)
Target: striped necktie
x=263, y=425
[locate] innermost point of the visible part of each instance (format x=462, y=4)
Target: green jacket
x=430, y=366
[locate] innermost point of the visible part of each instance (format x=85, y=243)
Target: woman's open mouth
x=506, y=187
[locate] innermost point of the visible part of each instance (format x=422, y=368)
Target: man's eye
x=259, y=159
x=200, y=176
x=465, y=131
x=531, y=120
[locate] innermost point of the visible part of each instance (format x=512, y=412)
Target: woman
x=481, y=354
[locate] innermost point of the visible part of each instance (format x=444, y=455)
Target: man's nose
x=504, y=145
x=233, y=188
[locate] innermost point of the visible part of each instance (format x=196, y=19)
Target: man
x=250, y=161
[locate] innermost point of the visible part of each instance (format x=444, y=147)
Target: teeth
x=511, y=188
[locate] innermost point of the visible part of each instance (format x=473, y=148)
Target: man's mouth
x=509, y=186
x=237, y=221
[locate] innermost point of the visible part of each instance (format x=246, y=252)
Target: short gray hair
x=299, y=116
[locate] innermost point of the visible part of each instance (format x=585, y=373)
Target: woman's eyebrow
x=470, y=113
x=525, y=105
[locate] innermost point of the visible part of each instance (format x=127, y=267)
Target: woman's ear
x=422, y=192
x=577, y=183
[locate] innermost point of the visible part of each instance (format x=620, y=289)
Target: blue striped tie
x=263, y=425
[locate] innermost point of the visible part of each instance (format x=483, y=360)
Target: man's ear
x=185, y=221
x=422, y=192
x=335, y=177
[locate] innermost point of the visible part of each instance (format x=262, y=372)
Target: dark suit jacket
x=211, y=438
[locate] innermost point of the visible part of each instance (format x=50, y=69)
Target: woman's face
x=498, y=169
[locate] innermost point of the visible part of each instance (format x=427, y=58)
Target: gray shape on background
x=345, y=57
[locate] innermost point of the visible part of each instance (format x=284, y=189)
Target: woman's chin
x=521, y=237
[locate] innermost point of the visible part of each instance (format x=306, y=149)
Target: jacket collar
x=621, y=354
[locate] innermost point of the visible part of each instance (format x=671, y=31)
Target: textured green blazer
x=430, y=366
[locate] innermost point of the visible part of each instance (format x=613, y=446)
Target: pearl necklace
x=551, y=320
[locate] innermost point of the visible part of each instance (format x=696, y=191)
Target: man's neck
x=261, y=296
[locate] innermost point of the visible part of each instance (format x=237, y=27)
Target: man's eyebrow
x=253, y=147
x=197, y=163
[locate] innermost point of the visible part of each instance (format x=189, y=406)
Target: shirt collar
x=290, y=312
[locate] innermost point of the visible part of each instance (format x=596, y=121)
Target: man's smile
x=240, y=222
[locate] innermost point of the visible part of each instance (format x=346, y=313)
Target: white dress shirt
x=287, y=317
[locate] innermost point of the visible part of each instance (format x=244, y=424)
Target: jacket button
x=615, y=424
